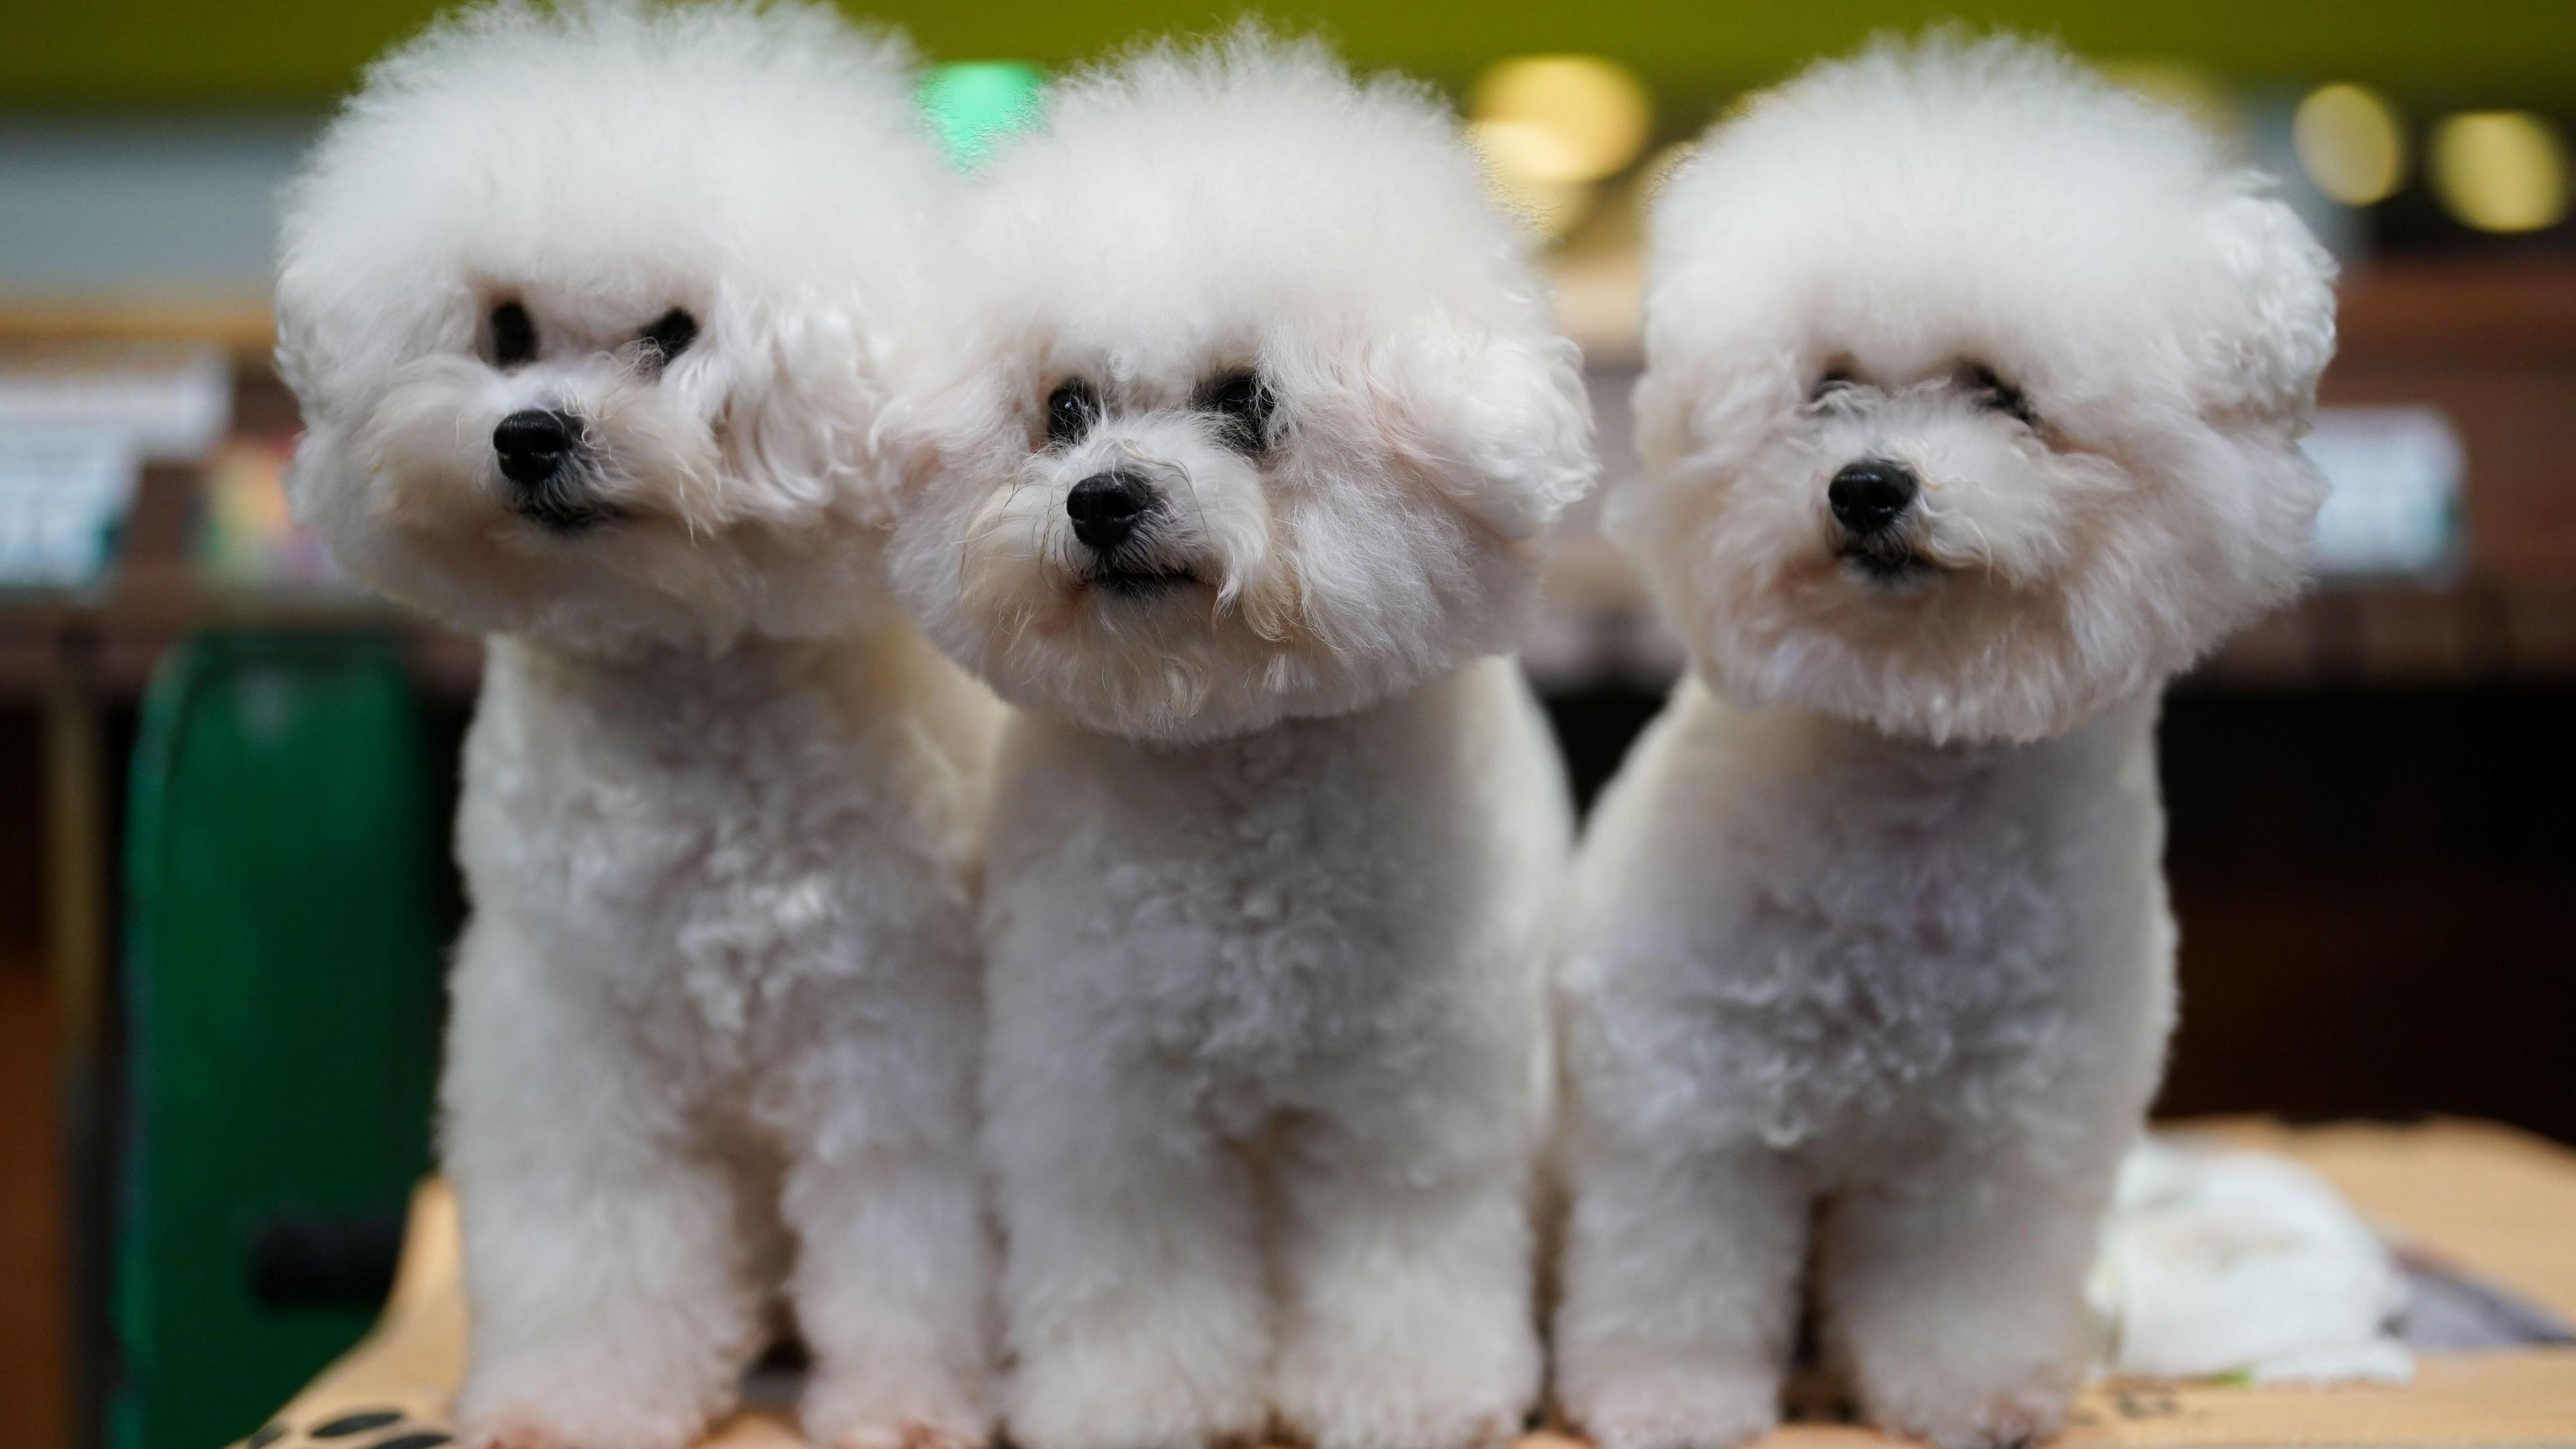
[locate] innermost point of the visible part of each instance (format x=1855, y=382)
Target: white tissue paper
x=2230, y=1262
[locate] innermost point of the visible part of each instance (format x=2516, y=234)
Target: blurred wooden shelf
x=2479, y=314
x=109, y=643
x=241, y=325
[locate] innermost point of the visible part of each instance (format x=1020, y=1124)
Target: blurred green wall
x=292, y=52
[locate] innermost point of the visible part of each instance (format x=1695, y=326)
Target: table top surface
x=2495, y=1202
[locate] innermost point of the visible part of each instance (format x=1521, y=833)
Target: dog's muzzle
x=536, y=449
x=1869, y=500
x=1870, y=496
x=1113, y=514
x=1106, y=508
x=534, y=446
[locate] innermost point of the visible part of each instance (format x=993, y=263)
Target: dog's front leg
x=1133, y=1290
x=1407, y=1269
x=1954, y=1293
x=1680, y=1292
x=608, y=1268
x=892, y=1283
x=893, y=1294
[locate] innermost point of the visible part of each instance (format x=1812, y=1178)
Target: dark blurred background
x=224, y=777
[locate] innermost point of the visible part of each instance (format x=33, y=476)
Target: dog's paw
x=526, y=1404
x=928, y=1409
x=547, y=1429
x=2005, y=1421
x=1673, y=1405
x=1110, y=1391
x=1383, y=1423
x=905, y=1434
x=2010, y=1387
x=513, y=1433
x=1469, y=1390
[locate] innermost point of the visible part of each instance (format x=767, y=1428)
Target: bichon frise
x=1971, y=413
x=1239, y=496
x=589, y=311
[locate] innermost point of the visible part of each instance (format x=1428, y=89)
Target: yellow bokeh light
x=1529, y=151
x=1594, y=112
x=2500, y=170
x=1552, y=207
x=2351, y=142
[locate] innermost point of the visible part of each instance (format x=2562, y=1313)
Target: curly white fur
x=1869, y=960
x=1271, y=846
x=716, y=1015
x=1186, y=214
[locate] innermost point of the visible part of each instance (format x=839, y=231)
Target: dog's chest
x=702, y=852
x=1259, y=913
x=1890, y=952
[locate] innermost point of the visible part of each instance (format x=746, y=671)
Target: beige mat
x=2496, y=1203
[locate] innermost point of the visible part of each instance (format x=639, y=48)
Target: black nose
x=1105, y=506
x=1869, y=496
x=533, y=445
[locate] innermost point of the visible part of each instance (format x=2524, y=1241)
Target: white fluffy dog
x=1971, y=409
x=1238, y=495
x=589, y=311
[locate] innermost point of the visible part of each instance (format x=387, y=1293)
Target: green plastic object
x=285, y=920
x=973, y=104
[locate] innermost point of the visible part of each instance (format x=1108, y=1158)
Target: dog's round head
x=1256, y=410
x=590, y=310
x=1973, y=394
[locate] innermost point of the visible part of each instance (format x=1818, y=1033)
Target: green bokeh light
x=975, y=103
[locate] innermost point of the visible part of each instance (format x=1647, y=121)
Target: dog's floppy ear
x=807, y=389
x=1497, y=418
x=317, y=477
x=320, y=452
x=334, y=354
x=1709, y=393
x=2276, y=331
x=948, y=401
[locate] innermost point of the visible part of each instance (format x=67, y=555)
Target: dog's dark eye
x=670, y=336
x=1995, y=393
x=1244, y=402
x=1829, y=384
x=1071, y=410
x=514, y=336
